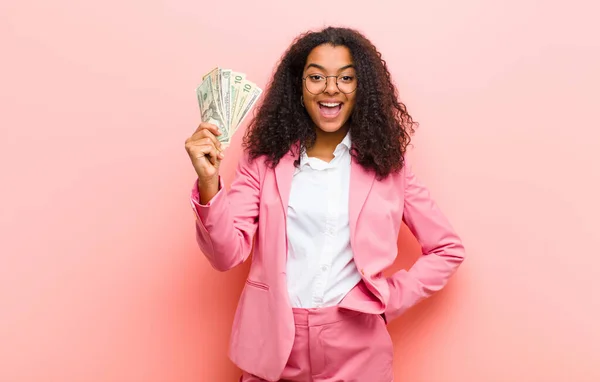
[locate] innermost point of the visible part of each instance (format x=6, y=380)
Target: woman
x=319, y=196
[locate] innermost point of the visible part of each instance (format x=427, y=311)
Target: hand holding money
x=225, y=97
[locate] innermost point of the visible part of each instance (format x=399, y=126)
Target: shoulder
x=264, y=163
x=398, y=179
x=255, y=166
x=404, y=169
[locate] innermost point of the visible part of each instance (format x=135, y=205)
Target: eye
x=316, y=77
x=346, y=78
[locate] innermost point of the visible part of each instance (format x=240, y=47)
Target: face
x=328, y=106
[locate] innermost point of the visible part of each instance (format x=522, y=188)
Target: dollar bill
x=226, y=95
x=215, y=81
x=249, y=102
x=244, y=90
x=208, y=106
x=236, y=84
x=225, y=98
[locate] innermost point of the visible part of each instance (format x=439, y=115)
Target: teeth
x=330, y=104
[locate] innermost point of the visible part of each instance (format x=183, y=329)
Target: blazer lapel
x=284, y=172
x=361, y=182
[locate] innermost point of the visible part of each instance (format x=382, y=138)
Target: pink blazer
x=253, y=212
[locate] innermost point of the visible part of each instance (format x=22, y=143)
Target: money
x=225, y=98
x=209, y=109
x=226, y=93
x=252, y=94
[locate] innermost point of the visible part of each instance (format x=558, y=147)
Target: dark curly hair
x=380, y=125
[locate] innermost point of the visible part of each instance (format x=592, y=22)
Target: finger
x=205, y=163
x=214, y=140
x=206, y=138
x=211, y=153
x=204, y=133
x=210, y=127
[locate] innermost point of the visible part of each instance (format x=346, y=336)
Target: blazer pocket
x=257, y=284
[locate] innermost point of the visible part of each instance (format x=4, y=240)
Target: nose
x=331, y=87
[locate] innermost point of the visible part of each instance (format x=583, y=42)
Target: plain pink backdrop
x=100, y=277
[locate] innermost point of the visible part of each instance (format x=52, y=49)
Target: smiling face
x=328, y=107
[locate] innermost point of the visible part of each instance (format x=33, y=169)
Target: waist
x=322, y=316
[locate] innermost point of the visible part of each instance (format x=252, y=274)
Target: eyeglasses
x=317, y=83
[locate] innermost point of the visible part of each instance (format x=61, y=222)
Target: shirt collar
x=347, y=141
x=343, y=146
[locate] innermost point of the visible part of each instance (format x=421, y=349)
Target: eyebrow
x=323, y=69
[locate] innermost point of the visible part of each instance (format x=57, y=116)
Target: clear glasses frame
x=326, y=82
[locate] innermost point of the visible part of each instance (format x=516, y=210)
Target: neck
x=326, y=143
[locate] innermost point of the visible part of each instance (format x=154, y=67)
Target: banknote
x=209, y=110
x=215, y=82
x=236, y=84
x=225, y=98
x=245, y=90
x=252, y=96
x=226, y=94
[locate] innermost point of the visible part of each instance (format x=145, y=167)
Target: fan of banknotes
x=225, y=98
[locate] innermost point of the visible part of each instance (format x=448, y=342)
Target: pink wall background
x=100, y=277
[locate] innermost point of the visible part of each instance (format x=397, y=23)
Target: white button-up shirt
x=320, y=263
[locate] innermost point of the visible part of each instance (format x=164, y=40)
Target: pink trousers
x=335, y=345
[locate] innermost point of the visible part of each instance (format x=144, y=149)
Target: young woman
x=319, y=196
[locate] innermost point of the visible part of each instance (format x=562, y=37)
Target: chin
x=330, y=127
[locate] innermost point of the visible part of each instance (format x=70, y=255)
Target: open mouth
x=330, y=109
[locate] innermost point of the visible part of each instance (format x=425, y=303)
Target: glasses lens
x=315, y=83
x=346, y=83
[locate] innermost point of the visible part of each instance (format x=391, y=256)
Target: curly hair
x=380, y=125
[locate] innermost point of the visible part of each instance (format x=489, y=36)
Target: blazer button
x=362, y=271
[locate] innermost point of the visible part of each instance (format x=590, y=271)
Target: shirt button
x=323, y=268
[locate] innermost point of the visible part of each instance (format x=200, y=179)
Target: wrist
x=208, y=188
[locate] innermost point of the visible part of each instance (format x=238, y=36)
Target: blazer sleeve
x=442, y=249
x=225, y=226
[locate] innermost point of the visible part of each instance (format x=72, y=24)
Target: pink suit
x=264, y=326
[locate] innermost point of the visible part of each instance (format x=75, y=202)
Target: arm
x=442, y=249
x=225, y=226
